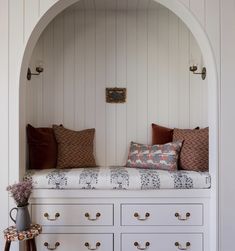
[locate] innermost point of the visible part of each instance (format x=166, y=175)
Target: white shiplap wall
x=148, y=50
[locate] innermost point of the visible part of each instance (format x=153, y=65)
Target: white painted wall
x=214, y=15
x=4, y=106
x=147, y=50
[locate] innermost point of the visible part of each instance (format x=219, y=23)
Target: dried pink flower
x=21, y=192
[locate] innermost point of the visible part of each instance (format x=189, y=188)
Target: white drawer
x=75, y=242
x=71, y=215
x=162, y=214
x=162, y=242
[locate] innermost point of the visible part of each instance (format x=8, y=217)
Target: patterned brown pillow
x=194, y=153
x=75, y=148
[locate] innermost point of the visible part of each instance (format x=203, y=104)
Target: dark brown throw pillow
x=194, y=155
x=161, y=135
x=75, y=148
x=42, y=148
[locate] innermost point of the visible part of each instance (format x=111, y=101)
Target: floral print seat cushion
x=118, y=178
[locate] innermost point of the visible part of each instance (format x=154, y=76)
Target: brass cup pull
x=147, y=244
x=180, y=217
x=50, y=248
x=87, y=215
x=136, y=215
x=57, y=215
x=97, y=245
x=180, y=247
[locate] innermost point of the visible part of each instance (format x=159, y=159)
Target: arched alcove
x=188, y=18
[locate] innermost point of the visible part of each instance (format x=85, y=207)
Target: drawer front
x=162, y=242
x=162, y=214
x=75, y=242
x=71, y=215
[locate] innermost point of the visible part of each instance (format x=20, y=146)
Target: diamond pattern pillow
x=163, y=157
x=194, y=155
x=75, y=148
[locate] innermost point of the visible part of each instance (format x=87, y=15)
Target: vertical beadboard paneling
x=145, y=49
x=30, y=17
x=131, y=76
x=163, y=66
x=69, y=81
x=227, y=188
x=38, y=84
x=184, y=80
x=173, y=71
x=153, y=71
x=196, y=84
x=142, y=77
x=58, y=58
x=100, y=68
x=48, y=77
x=34, y=102
x=79, y=69
x=90, y=77
x=121, y=71
x=213, y=29
x=198, y=87
x=4, y=43
x=111, y=82
x=16, y=38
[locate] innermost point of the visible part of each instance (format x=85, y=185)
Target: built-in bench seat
x=121, y=178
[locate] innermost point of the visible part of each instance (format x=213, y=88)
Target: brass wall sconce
x=39, y=70
x=194, y=68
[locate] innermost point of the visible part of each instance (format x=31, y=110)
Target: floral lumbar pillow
x=164, y=157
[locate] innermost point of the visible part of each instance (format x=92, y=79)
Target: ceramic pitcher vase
x=22, y=219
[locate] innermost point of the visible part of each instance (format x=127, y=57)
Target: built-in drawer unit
x=75, y=242
x=73, y=215
x=162, y=214
x=162, y=242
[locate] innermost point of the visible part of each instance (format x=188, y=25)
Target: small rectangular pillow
x=75, y=148
x=194, y=155
x=163, y=157
x=42, y=148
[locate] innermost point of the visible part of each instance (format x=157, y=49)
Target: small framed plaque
x=115, y=95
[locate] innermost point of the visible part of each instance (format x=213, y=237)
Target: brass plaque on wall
x=115, y=95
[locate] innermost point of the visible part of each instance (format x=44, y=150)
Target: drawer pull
x=49, y=248
x=187, y=215
x=147, y=244
x=97, y=245
x=187, y=246
x=92, y=219
x=136, y=215
x=57, y=215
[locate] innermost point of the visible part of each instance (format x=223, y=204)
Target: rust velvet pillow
x=194, y=155
x=42, y=148
x=161, y=135
x=75, y=148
